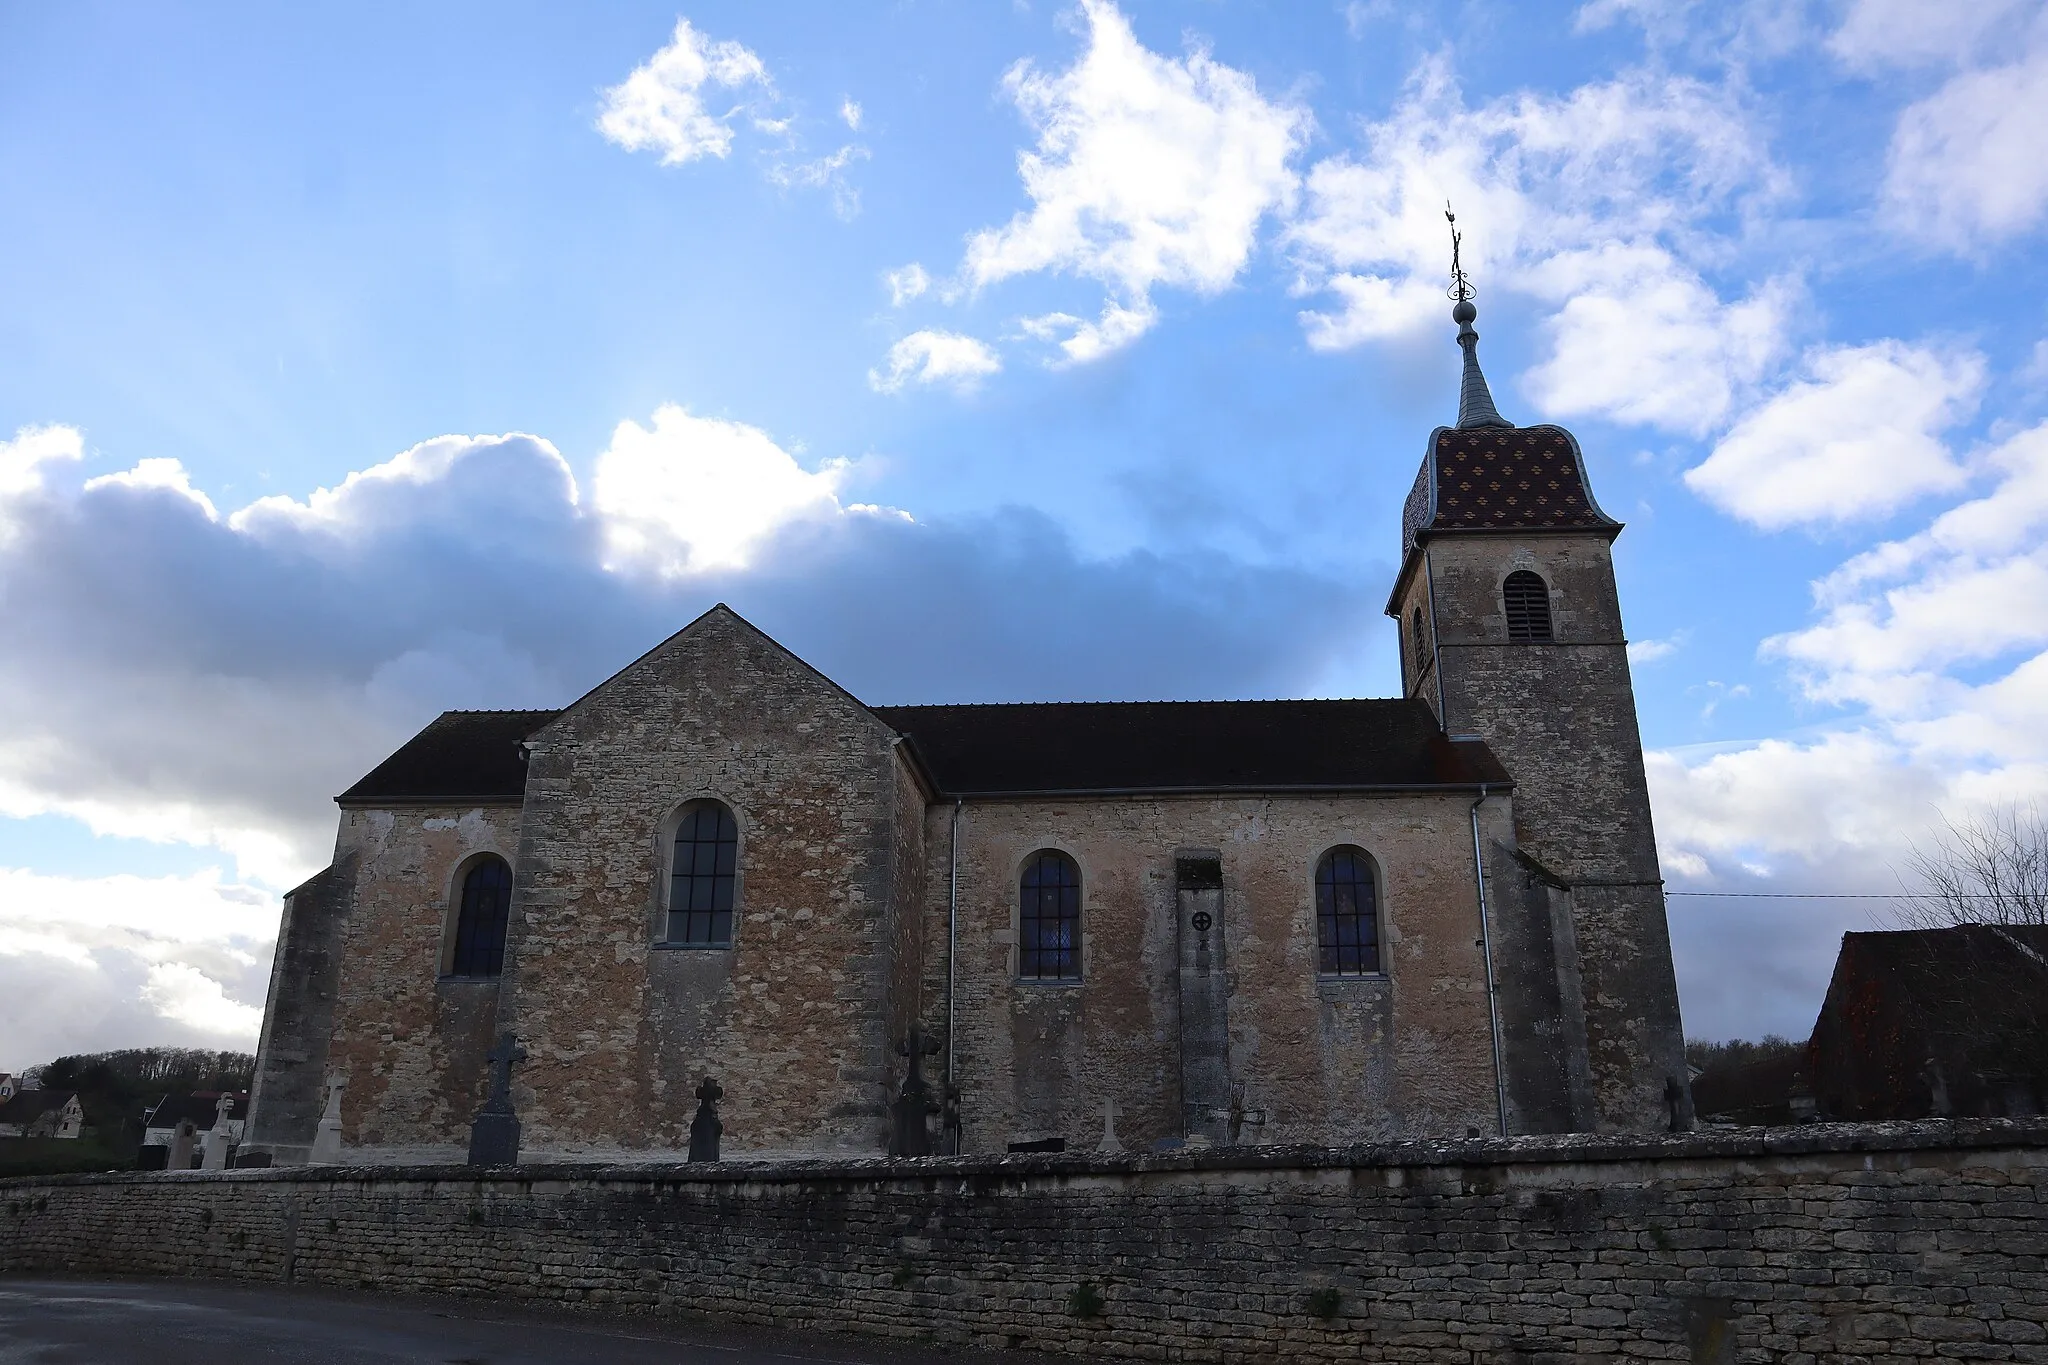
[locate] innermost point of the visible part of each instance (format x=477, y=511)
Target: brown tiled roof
x=1500, y=478
x=1037, y=748
x=460, y=756
x=1190, y=746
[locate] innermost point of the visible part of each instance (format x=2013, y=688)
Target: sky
x=359, y=365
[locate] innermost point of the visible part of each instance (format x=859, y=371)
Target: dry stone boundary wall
x=1878, y=1243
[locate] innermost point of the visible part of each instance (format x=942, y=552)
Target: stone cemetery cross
x=706, y=1127
x=915, y=1105
x=501, y=1059
x=1109, y=1143
x=216, y=1157
x=494, y=1134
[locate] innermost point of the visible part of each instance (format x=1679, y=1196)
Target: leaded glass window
x=1049, y=918
x=480, y=920
x=1347, y=915
x=702, y=877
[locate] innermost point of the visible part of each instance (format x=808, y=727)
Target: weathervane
x=1461, y=288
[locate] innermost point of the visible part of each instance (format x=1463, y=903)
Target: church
x=1204, y=923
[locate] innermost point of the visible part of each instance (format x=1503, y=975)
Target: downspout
x=952, y=936
x=1500, y=1081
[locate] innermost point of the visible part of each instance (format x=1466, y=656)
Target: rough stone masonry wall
x=792, y=1018
x=410, y=1040
x=1814, y=1246
x=1562, y=717
x=1405, y=1054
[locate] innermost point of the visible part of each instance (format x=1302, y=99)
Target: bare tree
x=1976, y=988
x=1990, y=869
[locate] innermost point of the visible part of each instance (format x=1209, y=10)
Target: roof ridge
x=1196, y=701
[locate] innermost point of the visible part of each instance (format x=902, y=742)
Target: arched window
x=1347, y=915
x=1528, y=606
x=1049, y=918
x=480, y=921
x=701, y=877
x=1415, y=645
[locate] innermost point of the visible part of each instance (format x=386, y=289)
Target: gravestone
x=914, y=1105
x=217, y=1137
x=705, y=1128
x=182, y=1138
x=494, y=1133
x=327, y=1138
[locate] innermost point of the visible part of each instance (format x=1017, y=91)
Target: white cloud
x=1148, y=171
x=25, y=462
x=661, y=106
x=1964, y=168
x=1966, y=165
x=1641, y=652
x=906, y=283
x=1598, y=202
x=691, y=494
x=1081, y=341
x=189, y=996
x=144, y=960
x=1856, y=438
x=1879, y=33
x=1971, y=588
x=1937, y=646
x=167, y=474
x=826, y=173
x=23, y=458
x=931, y=357
x=1637, y=337
x=1361, y=15
x=850, y=112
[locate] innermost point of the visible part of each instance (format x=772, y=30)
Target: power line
x=1851, y=895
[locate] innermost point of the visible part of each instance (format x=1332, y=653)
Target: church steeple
x=1475, y=400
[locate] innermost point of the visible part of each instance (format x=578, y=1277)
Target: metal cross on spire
x=1475, y=400
x=1461, y=288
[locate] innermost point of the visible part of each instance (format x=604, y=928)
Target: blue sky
x=350, y=371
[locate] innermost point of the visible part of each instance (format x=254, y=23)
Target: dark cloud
x=188, y=675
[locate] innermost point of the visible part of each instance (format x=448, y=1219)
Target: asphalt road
x=198, y=1322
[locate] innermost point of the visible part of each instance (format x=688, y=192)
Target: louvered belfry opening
x=1528, y=606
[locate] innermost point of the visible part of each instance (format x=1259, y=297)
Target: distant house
x=1935, y=1022
x=8, y=1086
x=198, y=1107
x=42, y=1114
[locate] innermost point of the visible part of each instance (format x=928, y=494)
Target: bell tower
x=1511, y=631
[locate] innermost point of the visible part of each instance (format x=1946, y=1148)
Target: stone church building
x=1251, y=922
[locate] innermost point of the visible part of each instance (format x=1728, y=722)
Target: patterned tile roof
x=1499, y=479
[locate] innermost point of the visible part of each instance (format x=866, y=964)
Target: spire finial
x=1475, y=400
x=1461, y=288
